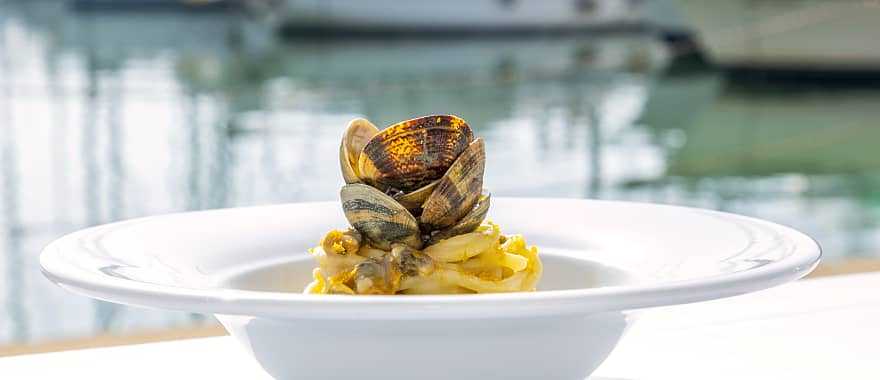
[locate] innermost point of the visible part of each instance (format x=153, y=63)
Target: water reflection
x=113, y=116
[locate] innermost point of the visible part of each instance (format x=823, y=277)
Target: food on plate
x=415, y=200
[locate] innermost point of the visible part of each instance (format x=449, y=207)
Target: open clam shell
x=458, y=190
x=381, y=219
x=356, y=136
x=413, y=153
x=467, y=223
x=348, y=173
x=413, y=200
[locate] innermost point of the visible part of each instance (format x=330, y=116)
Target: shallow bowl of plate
x=602, y=262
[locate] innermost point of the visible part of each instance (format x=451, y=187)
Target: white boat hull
x=788, y=35
x=485, y=15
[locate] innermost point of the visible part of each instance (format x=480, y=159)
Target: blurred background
x=114, y=109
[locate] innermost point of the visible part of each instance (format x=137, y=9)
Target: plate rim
x=105, y=287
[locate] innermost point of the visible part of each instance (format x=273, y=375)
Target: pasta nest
x=482, y=261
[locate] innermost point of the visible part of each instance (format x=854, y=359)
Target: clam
x=377, y=276
x=414, y=199
x=413, y=153
x=467, y=223
x=458, y=190
x=411, y=262
x=378, y=217
x=357, y=134
x=418, y=178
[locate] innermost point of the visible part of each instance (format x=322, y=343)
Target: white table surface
x=814, y=329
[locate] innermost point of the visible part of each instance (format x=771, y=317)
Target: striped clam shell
x=413, y=153
x=458, y=190
x=413, y=200
x=467, y=223
x=357, y=135
x=379, y=218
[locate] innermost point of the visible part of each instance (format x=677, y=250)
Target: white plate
x=602, y=259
